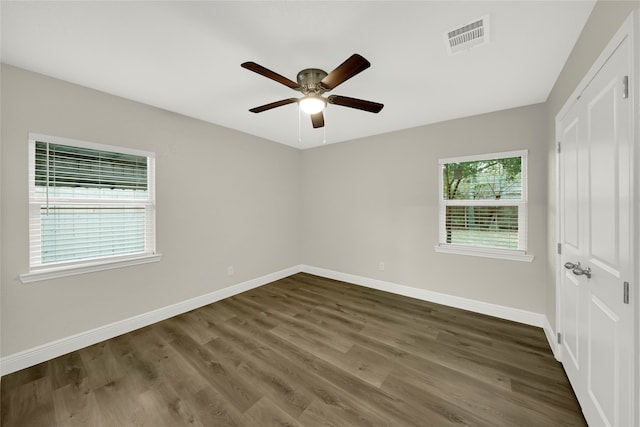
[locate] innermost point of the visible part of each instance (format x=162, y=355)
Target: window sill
x=57, y=272
x=485, y=252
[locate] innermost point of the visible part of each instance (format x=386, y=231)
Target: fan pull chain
x=299, y=131
x=324, y=128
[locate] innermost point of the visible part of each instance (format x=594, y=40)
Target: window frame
x=519, y=254
x=73, y=267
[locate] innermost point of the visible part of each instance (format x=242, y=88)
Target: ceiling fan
x=313, y=83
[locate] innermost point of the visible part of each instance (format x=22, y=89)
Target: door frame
x=630, y=29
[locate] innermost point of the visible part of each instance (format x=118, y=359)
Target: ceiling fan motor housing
x=309, y=81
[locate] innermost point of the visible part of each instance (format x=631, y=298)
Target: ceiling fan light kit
x=313, y=83
x=312, y=104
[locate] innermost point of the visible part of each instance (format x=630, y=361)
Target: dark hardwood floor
x=303, y=351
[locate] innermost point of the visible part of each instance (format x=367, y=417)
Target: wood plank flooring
x=303, y=351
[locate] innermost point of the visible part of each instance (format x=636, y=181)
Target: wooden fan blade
x=360, y=104
x=256, y=68
x=280, y=103
x=349, y=68
x=317, y=120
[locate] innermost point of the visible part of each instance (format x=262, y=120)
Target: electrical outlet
x=381, y=266
x=230, y=270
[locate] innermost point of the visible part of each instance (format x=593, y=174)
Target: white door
x=595, y=316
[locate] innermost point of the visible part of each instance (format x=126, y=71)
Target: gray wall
x=604, y=21
x=376, y=200
x=223, y=197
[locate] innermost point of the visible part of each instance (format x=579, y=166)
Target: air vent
x=468, y=36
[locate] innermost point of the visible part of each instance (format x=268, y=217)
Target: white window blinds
x=88, y=202
x=483, y=201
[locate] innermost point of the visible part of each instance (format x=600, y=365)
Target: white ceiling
x=185, y=57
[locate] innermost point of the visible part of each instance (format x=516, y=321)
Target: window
x=91, y=207
x=483, y=205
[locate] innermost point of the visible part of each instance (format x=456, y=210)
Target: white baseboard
x=508, y=313
x=551, y=337
x=42, y=353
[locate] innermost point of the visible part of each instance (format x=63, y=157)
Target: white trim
x=503, y=202
x=91, y=267
x=91, y=145
x=484, y=252
x=551, y=337
x=40, y=271
x=633, y=23
x=559, y=232
x=487, y=156
x=522, y=204
x=42, y=353
x=503, y=312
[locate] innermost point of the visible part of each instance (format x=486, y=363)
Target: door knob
x=570, y=265
x=578, y=271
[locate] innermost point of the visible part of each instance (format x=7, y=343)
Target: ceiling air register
x=468, y=36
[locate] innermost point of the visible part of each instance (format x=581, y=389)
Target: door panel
x=603, y=350
x=572, y=191
x=608, y=133
x=571, y=318
x=603, y=186
x=596, y=202
x=570, y=181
